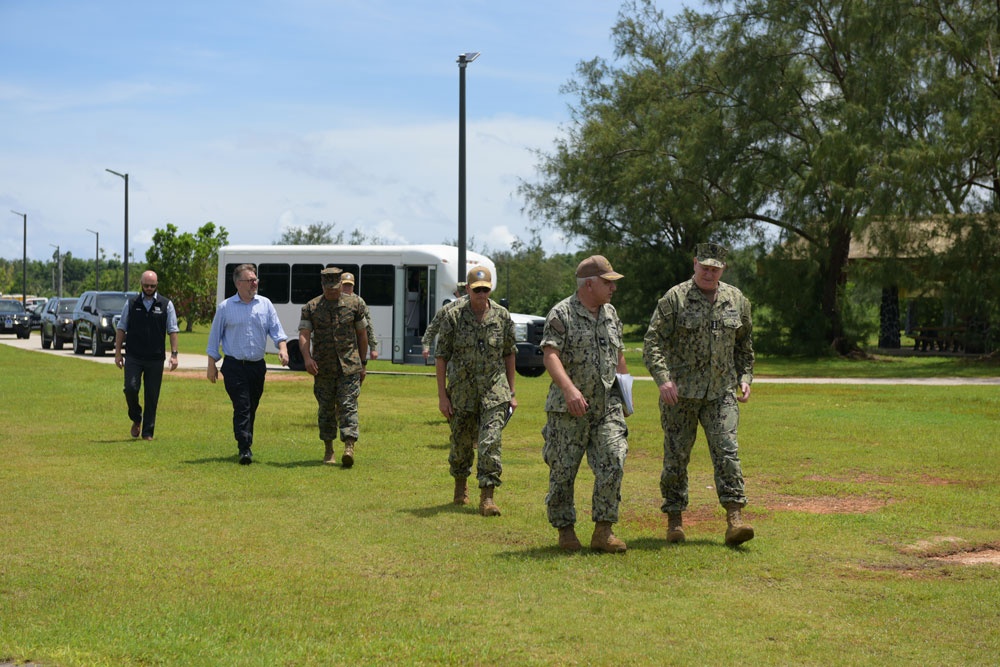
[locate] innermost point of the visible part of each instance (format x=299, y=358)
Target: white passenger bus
x=403, y=285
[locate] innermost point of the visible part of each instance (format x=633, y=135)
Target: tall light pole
x=125, y=256
x=59, y=262
x=463, y=60
x=97, y=260
x=24, y=260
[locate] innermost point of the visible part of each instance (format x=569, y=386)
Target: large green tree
x=811, y=118
x=187, y=266
x=316, y=233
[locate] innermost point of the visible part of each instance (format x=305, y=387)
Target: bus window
x=306, y=283
x=346, y=268
x=375, y=284
x=230, y=285
x=274, y=282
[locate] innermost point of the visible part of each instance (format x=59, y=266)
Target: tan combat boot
x=605, y=540
x=568, y=540
x=328, y=455
x=486, y=505
x=737, y=532
x=461, y=491
x=675, y=527
x=347, y=460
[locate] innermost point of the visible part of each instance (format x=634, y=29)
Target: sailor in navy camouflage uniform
x=699, y=350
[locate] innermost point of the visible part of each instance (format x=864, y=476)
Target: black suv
x=57, y=323
x=14, y=318
x=94, y=320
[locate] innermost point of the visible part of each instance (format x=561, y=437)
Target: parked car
x=57, y=323
x=14, y=318
x=94, y=320
x=35, y=306
x=528, y=334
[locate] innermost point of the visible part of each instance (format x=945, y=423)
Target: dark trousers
x=245, y=385
x=135, y=369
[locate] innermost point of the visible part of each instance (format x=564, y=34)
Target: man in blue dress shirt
x=241, y=327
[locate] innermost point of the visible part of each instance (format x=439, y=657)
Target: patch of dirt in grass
x=955, y=551
x=986, y=556
x=860, y=478
x=826, y=504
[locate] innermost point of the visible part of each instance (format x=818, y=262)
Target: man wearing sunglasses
x=146, y=319
x=474, y=365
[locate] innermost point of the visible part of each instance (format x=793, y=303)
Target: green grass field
x=120, y=552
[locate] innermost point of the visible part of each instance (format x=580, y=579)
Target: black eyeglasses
x=153, y=285
x=248, y=280
x=480, y=290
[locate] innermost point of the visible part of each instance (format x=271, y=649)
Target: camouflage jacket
x=334, y=327
x=706, y=349
x=370, y=327
x=477, y=373
x=432, y=329
x=588, y=349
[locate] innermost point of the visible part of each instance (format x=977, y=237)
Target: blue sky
x=258, y=116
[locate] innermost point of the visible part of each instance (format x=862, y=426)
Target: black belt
x=244, y=361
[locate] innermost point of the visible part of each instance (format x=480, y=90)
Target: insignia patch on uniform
x=557, y=325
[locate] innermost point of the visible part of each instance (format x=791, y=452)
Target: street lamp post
x=125, y=256
x=24, y=260
x=463, y=60
x=59, y=262
x=97, y=260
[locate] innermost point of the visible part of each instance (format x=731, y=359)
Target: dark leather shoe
x=246, y=457
x=135, y=429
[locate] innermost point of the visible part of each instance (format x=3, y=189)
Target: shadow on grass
x=650, y=544
x=311, y=463
x=231, y=460
x=444, y=508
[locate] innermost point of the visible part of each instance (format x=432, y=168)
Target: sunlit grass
x=119, y=552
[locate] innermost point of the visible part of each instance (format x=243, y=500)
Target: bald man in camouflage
x=699, y=350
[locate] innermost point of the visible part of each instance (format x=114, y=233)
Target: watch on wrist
x=173, y=353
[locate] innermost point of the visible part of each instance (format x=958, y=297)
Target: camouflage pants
x=720, y=419
x=337, y=396
x=477, y=430
x=605, y=441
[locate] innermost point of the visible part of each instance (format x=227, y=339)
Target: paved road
x=199, y=362
x=185, y=361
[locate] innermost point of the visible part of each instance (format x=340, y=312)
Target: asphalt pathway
x=199, y=362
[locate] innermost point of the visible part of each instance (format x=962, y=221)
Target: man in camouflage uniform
x=347, y=287
x=431, y=332
x=699, y=350
x=333, y=339
x=582, y=344
x=476, y=353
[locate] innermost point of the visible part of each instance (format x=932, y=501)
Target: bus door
x=411, y=313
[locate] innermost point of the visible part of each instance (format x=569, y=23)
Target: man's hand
x=575, y=402
x=744, y=394
x=444, y=405
x=668, y=393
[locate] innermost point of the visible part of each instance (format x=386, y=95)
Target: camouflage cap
x=711, y=254
x=479, y=276
x=347, y=278
x=597, y=266
x=331, y=275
